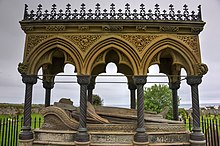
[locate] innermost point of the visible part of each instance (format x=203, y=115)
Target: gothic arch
x=42, y=54
x=128, y=58
x=180, y=53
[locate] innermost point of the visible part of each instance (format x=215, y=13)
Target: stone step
x=66, y=138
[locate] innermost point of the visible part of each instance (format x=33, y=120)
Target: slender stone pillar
x=196, y=137
x=48, y=86
x=132, y=89
x=91, y=86
x=82, y=135
x=174, y=87
x=140, y=136
x=26, y=133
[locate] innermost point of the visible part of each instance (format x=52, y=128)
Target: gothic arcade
x=133, y=40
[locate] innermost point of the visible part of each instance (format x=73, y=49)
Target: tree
x=157, y=97
x=96, y=100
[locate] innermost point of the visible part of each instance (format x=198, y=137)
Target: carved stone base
x=140, y=143
x=82, y=143
x=26, y=142
x=197, y=143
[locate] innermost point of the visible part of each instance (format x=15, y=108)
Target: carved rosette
x=83, y=41
x=169, y=29
x=83, y=28
x=112, y=28
x=141, y=28
x=33, y=40
x=192, y=41
x=55, y=28
x=140, y=41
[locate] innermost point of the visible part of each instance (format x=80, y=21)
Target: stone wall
x=15, y=109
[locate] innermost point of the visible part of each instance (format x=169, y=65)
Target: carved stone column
x=91, y=86
x=26, y=133
x=174, y=87
x=132, y=89
x=82, y=135
x=196, y=137
x=48, y=86
x=140, y=136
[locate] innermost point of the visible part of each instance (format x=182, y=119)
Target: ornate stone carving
x=202, y=69
x=53, y=110
x=100, y=57
x=141, y=28
x=83, y=41
x=55, y=28
x=112, y=28
x=27, y=28
x=196, y=29
x=22, y=68
x=33, y=40
x=169, y=28
x=69, y=59
x=139, y=41
x=83, y=28
x=192, y=41
x=124, y=57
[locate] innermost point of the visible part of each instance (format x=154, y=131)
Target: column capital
x=91, y=86
x=29, y=79
x=132, y=86
x=194, y=80
x=140, y=80
x=48, y=85
x=83, y=79
x=175, y=85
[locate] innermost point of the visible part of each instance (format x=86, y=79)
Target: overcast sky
x=12, y=40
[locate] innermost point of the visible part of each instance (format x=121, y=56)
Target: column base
x=197, y=143
x=26, y=133
x=140, y=143
x=82, y=135
x=140, y=135
x=82, y=143
x=197, y=136
x=26, y=142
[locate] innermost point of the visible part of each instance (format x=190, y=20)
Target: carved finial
x=105, y=14
x=82, y=11
x=142, y=11
x=39, y=12
x=179, y=15
x=199, y=17
x=25, y=12
x=127, y=11
x=112, y=11
x=165, y=15
x=53, y=12
x=46, y=15
x=185, y=12
x=68, y=12
x=193, y=17
x=97, y=11
x=157, y=12
x=171, y=13
x=135, y=14
x=90, y=14
x=60, y=14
